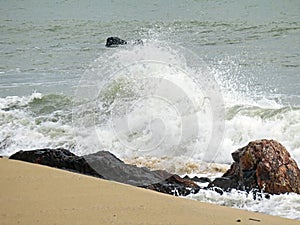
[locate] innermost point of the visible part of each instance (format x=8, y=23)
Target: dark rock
x=226, y=183
x=112, y=168
x=105, y=165
x=101, y=164
x=265, y=165
x=114, y=41
x=58, y=158
x=175, y=185
x=201, y=179
x=198, y=179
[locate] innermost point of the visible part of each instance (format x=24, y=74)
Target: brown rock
x=265, y=165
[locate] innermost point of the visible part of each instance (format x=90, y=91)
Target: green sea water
x=47, y=45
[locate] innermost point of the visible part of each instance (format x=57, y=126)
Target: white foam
x=20, y=129
x=284, y=205
x=164, y=112
x=10, y=101
x=150, y=120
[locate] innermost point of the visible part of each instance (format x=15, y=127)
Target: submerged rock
x=116, y=41
x=265, y=165
x=104, y=164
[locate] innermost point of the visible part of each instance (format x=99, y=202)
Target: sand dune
x=34, y=194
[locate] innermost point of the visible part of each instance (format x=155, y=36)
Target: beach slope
x=34, y=194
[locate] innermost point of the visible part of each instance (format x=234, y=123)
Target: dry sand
x=34, y=194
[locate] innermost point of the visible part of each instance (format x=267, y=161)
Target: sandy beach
x=34, y=194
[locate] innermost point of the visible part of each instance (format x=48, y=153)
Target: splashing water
x=149, y=100
x=155, y=101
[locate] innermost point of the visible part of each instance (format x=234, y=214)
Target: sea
x=208, y=78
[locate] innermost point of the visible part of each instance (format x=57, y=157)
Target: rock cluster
x=263, y=165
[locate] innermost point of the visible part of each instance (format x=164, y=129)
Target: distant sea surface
x=51, y=49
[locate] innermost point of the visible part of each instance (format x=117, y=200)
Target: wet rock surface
x=104, y=164
x=263, y=165
x=112, y=168
x=58, y=158
x=175, y=185
x=198, y=179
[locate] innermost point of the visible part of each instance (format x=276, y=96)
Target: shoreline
x=36, y=194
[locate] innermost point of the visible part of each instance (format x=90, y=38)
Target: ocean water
x=210, y=77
